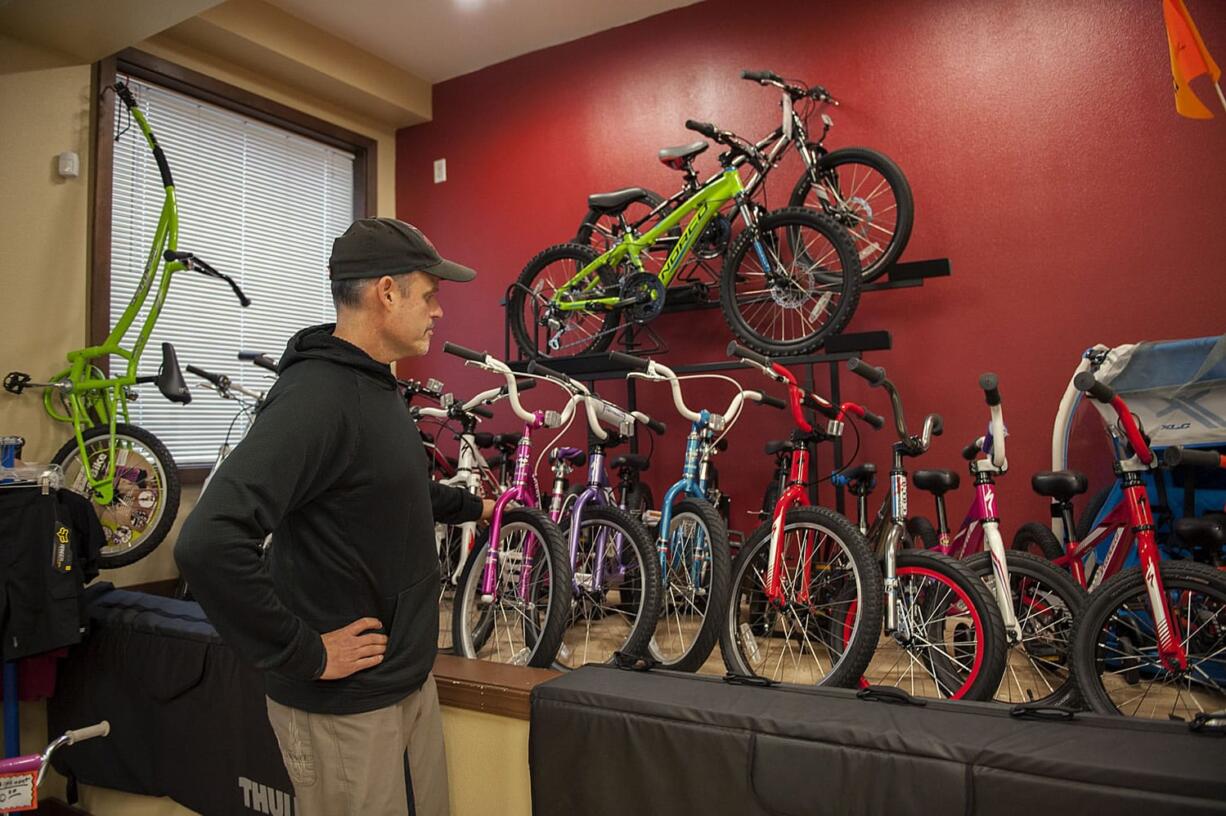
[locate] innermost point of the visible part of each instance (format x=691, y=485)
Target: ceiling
x=441, y=39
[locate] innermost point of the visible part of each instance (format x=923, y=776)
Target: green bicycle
x=791, y=280
x=126, y=471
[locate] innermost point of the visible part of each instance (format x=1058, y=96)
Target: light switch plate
x=440, y=171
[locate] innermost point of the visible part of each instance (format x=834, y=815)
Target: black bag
x=188, y=720
x=605, y=740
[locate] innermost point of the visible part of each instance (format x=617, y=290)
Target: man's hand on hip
x=350, y=651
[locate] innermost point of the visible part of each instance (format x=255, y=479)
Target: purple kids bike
x=615, y=594
x=1038, y=602
x=512, y=601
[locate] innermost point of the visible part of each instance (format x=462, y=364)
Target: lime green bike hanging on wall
x=125, y=470
x=791, y=280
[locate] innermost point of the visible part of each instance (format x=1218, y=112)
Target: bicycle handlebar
x=1192, y=457
x=547, y=418
x=259, y=358
x=933, y=425
x=195, y=264
x=794, y=89
x=996, y=427
x=767, y=399
x=735, y=144
x=81, y=734
x=629, y=361
x=221, y=381
x=1086, y=383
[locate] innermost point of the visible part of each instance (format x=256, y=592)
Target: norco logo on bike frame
x=263, y=799
x=900, y=496
x=688, y=237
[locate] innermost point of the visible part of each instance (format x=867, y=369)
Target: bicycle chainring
x=648, y=293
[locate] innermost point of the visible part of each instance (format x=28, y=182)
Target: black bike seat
x=506, y=442
x=779, y=446
x=676, y=157
x=1060, y=485
x=615, y=202
x=633, y=461
x=1207, y=531
x=864, y=472
x=170, y=377
x=484, y=440
x=936, y=482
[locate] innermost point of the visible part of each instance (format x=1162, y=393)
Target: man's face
x=412, y=313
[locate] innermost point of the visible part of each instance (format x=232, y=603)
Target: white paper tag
x=787, y=116
x=18, y=792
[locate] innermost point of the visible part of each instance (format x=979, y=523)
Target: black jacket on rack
x=49, y=550
x=334, y=468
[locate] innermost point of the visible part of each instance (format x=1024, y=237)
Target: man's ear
x=385, y=291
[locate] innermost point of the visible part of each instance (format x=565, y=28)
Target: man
x=343, y=618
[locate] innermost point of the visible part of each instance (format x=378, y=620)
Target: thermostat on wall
x=69, y=165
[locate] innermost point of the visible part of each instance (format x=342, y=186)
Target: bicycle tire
x=1091, y=642
x=682, y=604
x=1036, y=582
x=587, y=638
x=1038, y=539
x=1085, y=523
x=854, y=600
x=875, y=261
x=130, y=548
x=474, y=622
x=843, y=282
x=956, y=587
x=533, y=343
x=591, y=233
x=921, y=528
x=449, y=560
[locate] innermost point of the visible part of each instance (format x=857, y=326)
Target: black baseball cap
x=374, y=247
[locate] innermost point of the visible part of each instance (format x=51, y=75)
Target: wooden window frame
x=207, y=89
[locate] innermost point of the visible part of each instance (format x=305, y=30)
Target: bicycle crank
x=642, y=297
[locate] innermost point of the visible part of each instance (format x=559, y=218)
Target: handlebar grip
x=760, y=76
x=876, y=420
x=537, y=368
x=767, y=399
x=260, y=359
x=1085, y=382
x=705, y=128
x=988, y=383
x=81, y=734
x=464, y=353
x=938, y=424
x=524, y=385
x=215, y=379
x=250, y=356
x=737, y=350
x=828, y=411
x=654, y=424
x=1192, y=457
x=970, y=451
x=482, y=411
x=874, y=374
x=629, y=361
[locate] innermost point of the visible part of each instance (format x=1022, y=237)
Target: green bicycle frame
x=91, y=397
x=705, y=203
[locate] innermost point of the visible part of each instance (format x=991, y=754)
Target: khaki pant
x=350, y=764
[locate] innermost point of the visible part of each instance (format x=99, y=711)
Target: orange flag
x=1189, y=59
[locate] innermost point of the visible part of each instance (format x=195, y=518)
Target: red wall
x=1039, y=137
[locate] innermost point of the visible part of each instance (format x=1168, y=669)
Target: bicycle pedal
x=16, y=381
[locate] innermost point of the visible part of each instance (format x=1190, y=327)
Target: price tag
x=18, y=792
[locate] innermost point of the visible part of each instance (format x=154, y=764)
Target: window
x=256, y=201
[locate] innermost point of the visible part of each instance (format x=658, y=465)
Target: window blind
x=257, y=202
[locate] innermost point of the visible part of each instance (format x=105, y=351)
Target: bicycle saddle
x=1060, y=485
x=170, y=377
x=1207, y=531
x=779, y=446
x=936, y=482
x=676, y=157
x=506, y=442
x=864, y=472
x=615, y=202
x=573, y=456
x=633, y=461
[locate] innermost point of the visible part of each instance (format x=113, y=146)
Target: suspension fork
x=751, y=223
x=1170, y=640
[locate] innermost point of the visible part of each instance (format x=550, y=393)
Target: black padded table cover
x=187, y=718
x=611, y=741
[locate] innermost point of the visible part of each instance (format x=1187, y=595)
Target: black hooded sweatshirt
x=334, y=468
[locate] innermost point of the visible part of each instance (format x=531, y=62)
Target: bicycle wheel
x=867, y=193
x=1115, y=648
x=922, y=533
x=521, y=622
x=616, y=589
x=1038, y=539
x=541, y=332
x=146, y=497
x=950, y=641
x=1047, y=602
x=695, y=593
x=449, y=539
x=799, y=642
x=810, y=292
